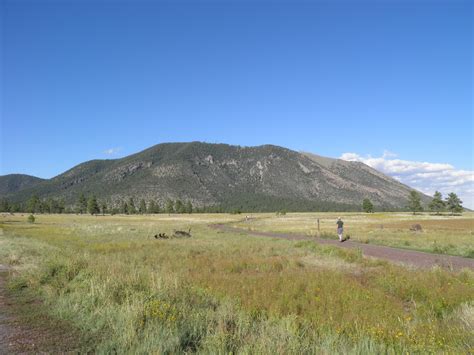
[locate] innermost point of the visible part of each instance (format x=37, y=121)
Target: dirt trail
x=5, y=329
x=404, y=256
x=26, y=329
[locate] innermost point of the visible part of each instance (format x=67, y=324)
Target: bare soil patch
x=26, y=328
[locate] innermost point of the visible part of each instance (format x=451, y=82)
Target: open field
x=453, y=235
x=222, y=292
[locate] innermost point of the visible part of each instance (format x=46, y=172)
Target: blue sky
x=89, y=79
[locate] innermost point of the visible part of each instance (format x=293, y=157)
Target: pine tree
x=55, y=206
x=437, y=204
x=189, y=207
x=61, y=205
x=93, y=206
x=123, y=207
x=152, y=207
x=179, y=207
x=131, y=206
x=142, y=207
x=16, y=207
x=43, y=208
x=82, y=204
x=414, y=202
x=47, y=205
x=103, y=207
x=4, y=205
x=454, y=203
x=169, y=206
x=367, y=206
x=33, y=204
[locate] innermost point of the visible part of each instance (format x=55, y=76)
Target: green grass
x=445, y=234
x=221, y=292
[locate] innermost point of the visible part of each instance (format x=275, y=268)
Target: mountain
x=263, y=178
x=17, y=182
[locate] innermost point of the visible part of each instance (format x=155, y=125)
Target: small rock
x=416, y=228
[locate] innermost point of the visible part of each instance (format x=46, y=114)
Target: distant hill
x=17, y=182
x=263, y=178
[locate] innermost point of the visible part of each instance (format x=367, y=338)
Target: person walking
x=340, y=228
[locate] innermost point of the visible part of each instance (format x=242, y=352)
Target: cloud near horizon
x=423, y=176
x=112, y=151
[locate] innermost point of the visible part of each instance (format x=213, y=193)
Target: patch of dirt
x=4, y=328
x=403, y=256
x=25, y=327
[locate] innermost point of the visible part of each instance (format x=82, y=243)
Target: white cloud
x=389, y=154
x=423, y=176
x=112, y=151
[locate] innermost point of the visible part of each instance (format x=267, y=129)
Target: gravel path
x=404, y=256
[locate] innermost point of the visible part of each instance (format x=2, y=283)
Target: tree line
x=171, y=206
x=34, y=205
x=452, y=203
x=90, y=204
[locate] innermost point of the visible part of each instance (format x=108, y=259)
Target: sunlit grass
x=446, y=234
x=226, y=292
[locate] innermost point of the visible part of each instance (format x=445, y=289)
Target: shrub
x=367, y=206
x=17, y=284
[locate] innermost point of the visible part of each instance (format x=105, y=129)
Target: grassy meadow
x=444, y=234
x=220, y=292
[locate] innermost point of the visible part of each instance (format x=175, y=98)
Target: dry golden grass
x=226, y=292
x=440, y=234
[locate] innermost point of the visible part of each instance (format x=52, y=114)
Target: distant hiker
x=340, y=229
